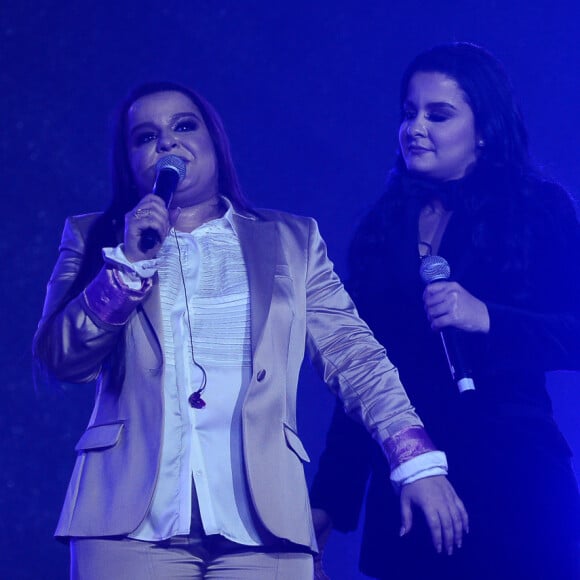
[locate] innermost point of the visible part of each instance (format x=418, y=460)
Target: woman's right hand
x=150, y=212
x=450, y=304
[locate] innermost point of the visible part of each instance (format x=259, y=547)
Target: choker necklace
x=194, y=399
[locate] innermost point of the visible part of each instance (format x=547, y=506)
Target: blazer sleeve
x=75, y=335
x=346, y=354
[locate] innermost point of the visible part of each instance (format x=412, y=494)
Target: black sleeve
x=545, y=331
x=340, y=483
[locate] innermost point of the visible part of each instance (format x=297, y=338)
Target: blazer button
x=261, y=375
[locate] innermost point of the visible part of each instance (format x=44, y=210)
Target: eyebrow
x=434, y=104
x=444, y=104
x=172, y=119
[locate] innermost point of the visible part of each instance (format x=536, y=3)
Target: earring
x=481, y=143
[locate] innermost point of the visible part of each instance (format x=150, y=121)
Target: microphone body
x=169, y=171
x=434, y=269
x=459, y=369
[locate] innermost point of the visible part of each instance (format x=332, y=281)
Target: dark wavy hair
x=489, y=93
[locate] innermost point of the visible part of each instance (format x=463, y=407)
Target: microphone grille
x=434, y=268
x=172, y=162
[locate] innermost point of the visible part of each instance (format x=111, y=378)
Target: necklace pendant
x=196, y=401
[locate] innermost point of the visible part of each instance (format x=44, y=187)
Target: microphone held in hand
x=436, y=269
x=169, y=171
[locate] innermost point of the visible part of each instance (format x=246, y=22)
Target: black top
x=508, y=460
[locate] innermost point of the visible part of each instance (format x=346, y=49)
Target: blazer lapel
x=259, y=242
x=150, y=309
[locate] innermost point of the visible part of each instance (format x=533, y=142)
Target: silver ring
x=141, y=212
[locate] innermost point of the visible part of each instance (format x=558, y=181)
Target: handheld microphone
x=169, y=171
x=433, y=269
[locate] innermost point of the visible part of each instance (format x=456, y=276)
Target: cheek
x=466, y=135
x=467, y=147
x=138, y=164
x=208, y=153
x=140, y=159
x=461, y=153
x=402, y=133
x=206, y=146
x=457, y=142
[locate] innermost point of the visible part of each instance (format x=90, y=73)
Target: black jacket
x=508, y=460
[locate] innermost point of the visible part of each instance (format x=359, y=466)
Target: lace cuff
x=412, y=455
x=110, y=299
x=407, y=444
x=142, y=269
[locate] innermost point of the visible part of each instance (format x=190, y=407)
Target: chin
x=420, y=169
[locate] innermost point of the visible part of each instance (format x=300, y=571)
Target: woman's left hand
x=444, y=511
x=449, y=304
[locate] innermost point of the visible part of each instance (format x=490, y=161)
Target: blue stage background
x=308, y=94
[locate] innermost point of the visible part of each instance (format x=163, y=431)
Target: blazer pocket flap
x=293, y=441
x=100, y=437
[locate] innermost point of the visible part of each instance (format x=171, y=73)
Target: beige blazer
x=297, y=304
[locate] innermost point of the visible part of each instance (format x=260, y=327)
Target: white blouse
x=201, y=444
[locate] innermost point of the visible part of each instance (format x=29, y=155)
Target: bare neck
x=187, y=219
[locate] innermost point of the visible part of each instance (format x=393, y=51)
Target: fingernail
x=439, y=548
x=402, y=531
